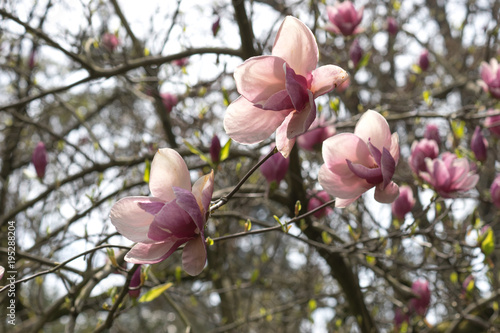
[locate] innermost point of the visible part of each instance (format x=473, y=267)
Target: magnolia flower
x=423, y=60
x=432, y=133
x=39, y=159
x=215, y=149
x=169, y=101
x=354, y=163
x=174, y=215
x=216, y=26
x=316, y=200
x=479, y=145
x=355, y=53
x=182, y=62
x=315, y=136
x=423, y=301
x=110, y=41
x=275, y=168
x=420, y=151
x=278, y=91
x=135, y=283
x=449, y=175
x=493, y=123
x=404, y=203
x=495, y=191
x=490, y=78
x=400, y=317
x=344, y=18
x=392, y=25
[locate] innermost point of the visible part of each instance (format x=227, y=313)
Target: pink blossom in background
x=344, y=18
x=39, y=159
x=355, y=53
x=278, y=91
x=32, y=59
x=495, y=191
x=490, y=78
x=216, y=26
x=423, y=60
x=275, y=168
x=317, y=133
x=420, y=151
x=392, y=25
x=182, y=62
x=175, y=214
x=468, y=285
x=354, y=163
x=400, y=317
x=110, y=41
x=317, y=199
x=492, y=123
x=169, y=101
x=404, y=203
x=421, y=303
x=215, y=149
x=449, y=175
x=135, y=282
x=432, y=133
x=479, y=145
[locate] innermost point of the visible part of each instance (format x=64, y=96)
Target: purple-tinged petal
x=283, y=143
x=131, y=220
x=373, y=126
x=301, y=121
x=278, y=102
x=387, y=195
x=371, y=175
x=388, y=167
x=168, y=169
x=345, y=187
x=194, y=256
x=346, y=146
x=187, y=201
x=152, y=253
x=440, y=173
x=377, y=155
x=296, y=86
x=247, y=124
x=151, y=207
x=203, y=190
x=326, y=78
x=394, y=150
x=172, y=222
x=296, y=44
x=258, y=78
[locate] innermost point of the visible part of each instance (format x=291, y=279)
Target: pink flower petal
x=151, y=253
x=187, y=201
x=342, y=203
x=295, y=43
x=203, y=189
x=387, y=195
x=395, y=147
x=258, y=78
x=372, y=125
x=194, y=256
x=343, y=187
x=296, y=86
x=131, y=220
x=283, y=143
x=172, y=222
x=167, y=170
x=300, y=122
x=248, y=124
x=326, y=78
x=346, y=146
x=278, y=102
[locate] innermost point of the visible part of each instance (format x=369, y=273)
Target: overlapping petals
x=354, y=163
x=344, y=18
x=490, y=78
x=278, y=91
x=174, y=215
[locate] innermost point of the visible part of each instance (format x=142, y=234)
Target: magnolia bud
x=215, y=149
x=39, y=159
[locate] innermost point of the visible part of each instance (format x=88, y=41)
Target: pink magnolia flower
x=423, y=60
x=39, y=159
x=449, y=175
x=492, y=123
x=275, y=168
x=215, y=149
x=495, y=191
x=32, y=59
x=174, y=215
x=110, y=41
x=354, y=163
x=404, y=203
x=169, y=101
x=344, y=18
x=479, y=145
x=318, y=199
x=182, y=62
x=317, y=133
x=355, y=52
x=490, y=78
x=278, y=91
x=432, y=133
x=420, y=151
x=421, y=304
x=400, y=317
x=135, y=283
x=392, y=25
